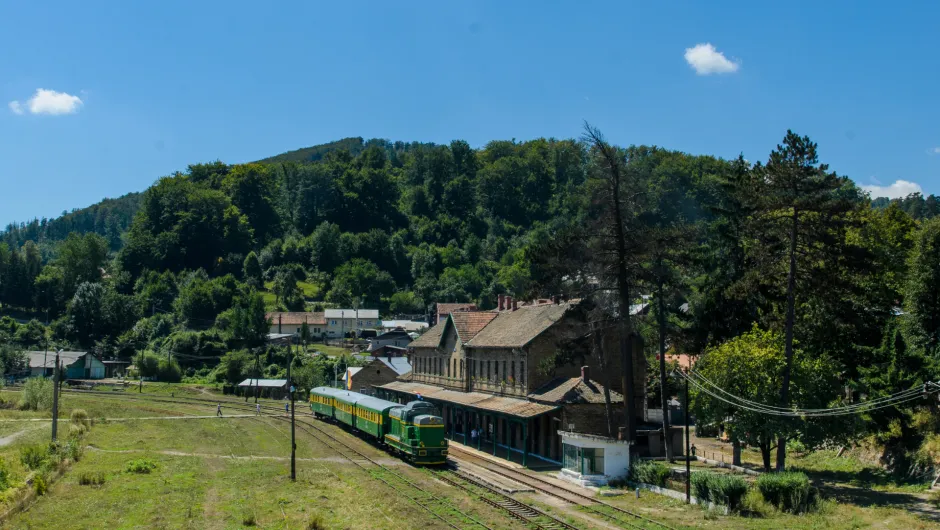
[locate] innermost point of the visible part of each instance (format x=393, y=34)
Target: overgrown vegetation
x=649, y=472
x=788, y=491
x=723, y=489
x=37, y=394
x=140, y=466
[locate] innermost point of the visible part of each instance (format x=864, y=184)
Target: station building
x=519, y=375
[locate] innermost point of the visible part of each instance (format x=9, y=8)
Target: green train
x=415, y=431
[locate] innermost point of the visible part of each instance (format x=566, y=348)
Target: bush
x=649, y=472
x=80, y=417
x=40, y=484
x=727, y=490
x=72, y=450
x=141, y=465
x=34, y=457
x=88, y=478
x=788, y=491
x=37, y=394
x=76, y=430
x=316, y=523
x=5, y=478
x=169, y=371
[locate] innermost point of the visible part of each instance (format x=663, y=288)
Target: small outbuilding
x=377, y=372
x=268, y=388
x=591, y=460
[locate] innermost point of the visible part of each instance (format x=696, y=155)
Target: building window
x=460, y=373
x=332, y=322
x=512, y=370
x=522, y=372
x=496, y=369
x=504, y=369
x=448, y=369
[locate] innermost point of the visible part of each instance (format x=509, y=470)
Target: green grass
x=223, y=473
x=848, y=469
x=309, y=290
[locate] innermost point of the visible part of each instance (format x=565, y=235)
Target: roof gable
x=469, y=323
x=573, y=390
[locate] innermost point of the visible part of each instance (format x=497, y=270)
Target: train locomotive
x=415, y=431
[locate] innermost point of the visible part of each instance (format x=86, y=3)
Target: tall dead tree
x=617, y=248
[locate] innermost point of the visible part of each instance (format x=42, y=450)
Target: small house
x=398, y=337
x=378, y=371
x=291, y=322
x=77, y=364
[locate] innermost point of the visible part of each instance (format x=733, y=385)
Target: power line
x=929, y=388
x=866, y=404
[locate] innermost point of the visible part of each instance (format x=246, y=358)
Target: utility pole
x=688, y=464
x=55, y=397
x=667, y=434
x=257, y=375
x=290, y=388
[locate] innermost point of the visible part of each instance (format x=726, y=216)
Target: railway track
x=519, y=510
x=592, y=505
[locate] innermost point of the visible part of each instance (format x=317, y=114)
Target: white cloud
x=46, y=101
x=900, y=188
x=706, y=60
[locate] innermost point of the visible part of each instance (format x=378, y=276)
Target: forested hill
x=109, y=218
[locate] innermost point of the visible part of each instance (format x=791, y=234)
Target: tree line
x=834, y=295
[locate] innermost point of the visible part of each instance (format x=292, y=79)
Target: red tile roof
x=469, y=323
x=296, y=318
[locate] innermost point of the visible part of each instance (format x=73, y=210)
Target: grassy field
x=308, y=289
x=233, y=473
x=225, y=473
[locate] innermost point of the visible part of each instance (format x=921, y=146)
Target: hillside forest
x=782, y=273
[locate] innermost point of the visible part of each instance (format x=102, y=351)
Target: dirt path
x=10, y=438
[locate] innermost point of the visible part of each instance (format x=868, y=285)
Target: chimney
x=586, y=374
x=515, y=304
x=500, y=300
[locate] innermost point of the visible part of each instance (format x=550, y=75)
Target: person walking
x=218, y=410
x=287, y=409
x=258, y=409
x=473, y=437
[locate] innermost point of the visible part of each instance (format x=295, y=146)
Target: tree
x=922, y=293
x=249, y=326
x=751, y=367
x=360, y=279
x=801, y=209
x=618, y=242
x=81, y=259
x=251, y=269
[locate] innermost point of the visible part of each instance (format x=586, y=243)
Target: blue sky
x=132, y=91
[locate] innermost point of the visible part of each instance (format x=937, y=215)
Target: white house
x=591, y=460
x=340, y=322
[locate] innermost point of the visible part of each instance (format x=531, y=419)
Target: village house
x=77, y=364
x=518, y=374
x=378, y=371
x=290, y=323
x=399, y=338
x=343, y=322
